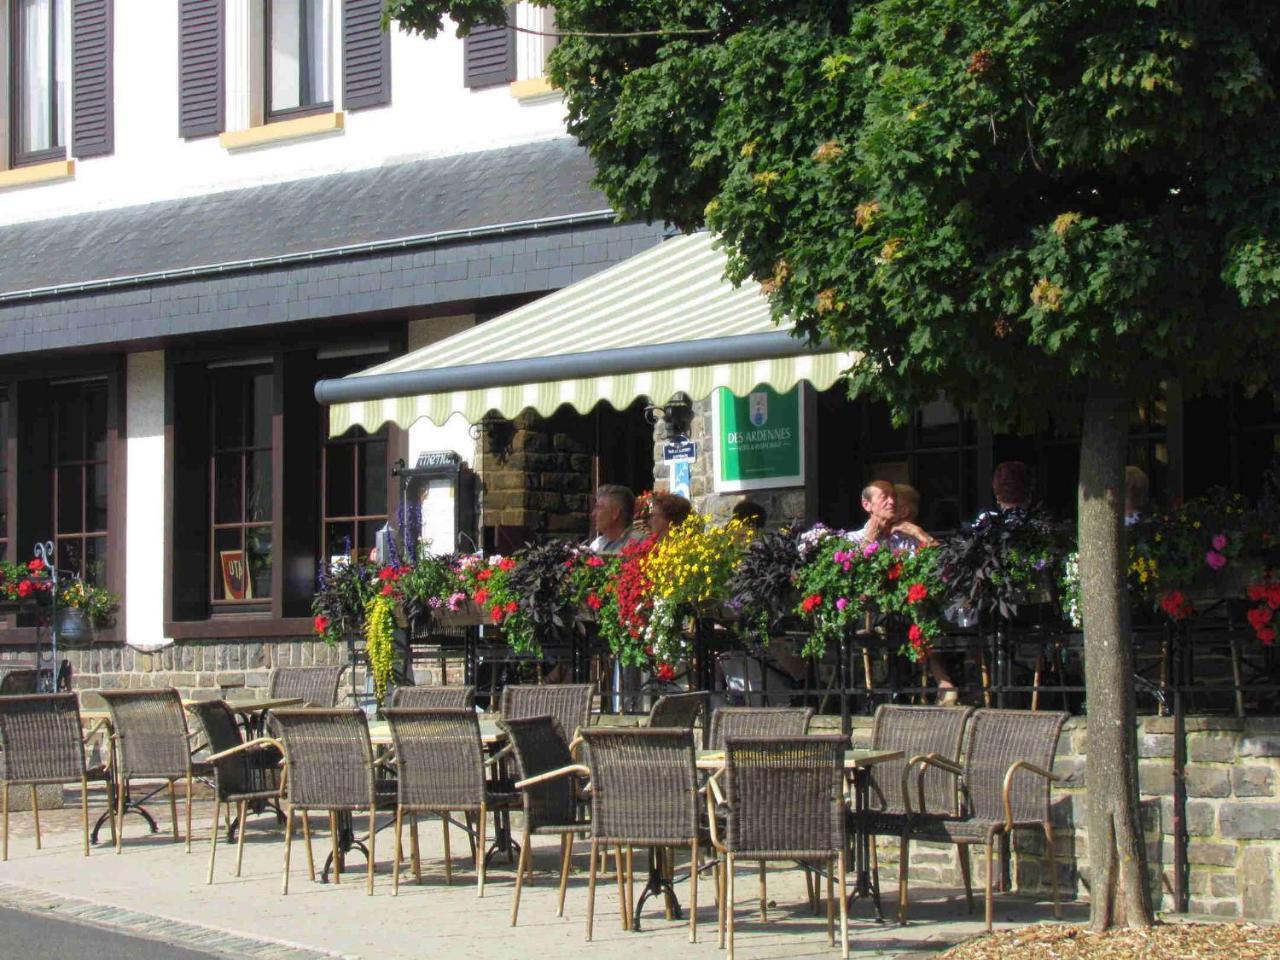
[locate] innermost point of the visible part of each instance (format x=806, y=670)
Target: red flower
x=1257, y=592
x=481, y=597
x=388, y=588
x=1176, y=605
x=1259, y=617
x=915, y=634
x=894, y=572
x=387, y=573
x=511, y=607
x=568, y=564
x=321, y=623
x=666, y=671
x=484, y=574
x=1273, y=596
x=594, y=602
x=495, y=613
x=1267, y=635
x=917, y=592
x=594, y=561
x=25, y=588
x=506, y=564
x=811, y=602
x=35, y=565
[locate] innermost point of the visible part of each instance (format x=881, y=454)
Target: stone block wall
x=1232, y=819
x=543, y=483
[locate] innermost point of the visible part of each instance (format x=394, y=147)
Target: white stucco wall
x=431, y=114
x=144, y=492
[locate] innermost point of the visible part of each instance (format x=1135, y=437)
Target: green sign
x=759, y=439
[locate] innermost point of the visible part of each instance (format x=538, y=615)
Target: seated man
x=612, y=515
x=883, y=525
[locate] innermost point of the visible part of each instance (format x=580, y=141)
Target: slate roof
x=533, y=181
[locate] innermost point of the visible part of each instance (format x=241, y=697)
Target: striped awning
x=662, y=322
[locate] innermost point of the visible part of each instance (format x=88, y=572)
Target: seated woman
x=667, y=510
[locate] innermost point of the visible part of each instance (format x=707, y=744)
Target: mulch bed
x=1166, y=941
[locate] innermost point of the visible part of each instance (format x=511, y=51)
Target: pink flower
x=1220, y=542
x=870, y=549
x=842, y=602
x=456, y=600
x=1216, y=560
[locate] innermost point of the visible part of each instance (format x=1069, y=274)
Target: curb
x=212, y=940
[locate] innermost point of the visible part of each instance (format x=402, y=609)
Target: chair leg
x=631, y=887
x=337, y=853
x=306, y=839
x=288, y=842
x=764, y=896
x=831, y=903
x=1053, y=869
x=904, y=848
x=591, y=885
x=966, y=871
x=5, y=803
x=841, y=863
x=566, y=857
x=173, y=808
x=189, y=785
x=35, y=812
x=241, y=811
x=693, y=893
x=619, y=860
x=480, y=858
x=122, y=793
x=395, y=866
x=720, y=901
x=84, y=811
x=728, y=903
x=213, y=843
x=373, y=840
x=448, y=856
x=521, y=866
x=991, y=843
x=416, y=856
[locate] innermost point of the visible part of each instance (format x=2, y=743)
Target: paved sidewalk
x=155, y=888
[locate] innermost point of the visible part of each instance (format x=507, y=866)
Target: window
x=79, y=481
x=241, y=481
x=40, y=71
x=299, y=57
x=4, y=476
x=535, y=46
x=354, y=474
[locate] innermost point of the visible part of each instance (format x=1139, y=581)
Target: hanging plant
x=380, y=641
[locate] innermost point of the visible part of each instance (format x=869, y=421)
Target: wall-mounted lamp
x=676, y=416
x=498, y=433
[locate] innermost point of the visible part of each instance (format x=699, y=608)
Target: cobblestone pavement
x=156, y=889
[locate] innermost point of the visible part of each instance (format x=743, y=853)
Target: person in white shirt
x=611, y=514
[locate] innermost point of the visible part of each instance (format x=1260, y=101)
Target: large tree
x=1012, y=203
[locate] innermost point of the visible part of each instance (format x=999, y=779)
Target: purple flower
x=1220, y=542
x=1215, y=559
x=1041, y=563
x=842, y=602
x=870, y=549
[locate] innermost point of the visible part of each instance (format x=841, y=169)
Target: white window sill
x=37, y=173
x=281, y=131
x=533, y=90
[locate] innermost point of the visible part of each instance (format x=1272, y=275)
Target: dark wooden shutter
x=489, y=54
x=200, y=68
x=92, y=112
x=366, y=56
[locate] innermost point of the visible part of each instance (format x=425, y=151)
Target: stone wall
x=1232, y=818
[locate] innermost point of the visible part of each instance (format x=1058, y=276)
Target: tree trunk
x=1117, y=853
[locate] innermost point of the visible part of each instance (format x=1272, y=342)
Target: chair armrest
x=923, y=761
x=575, y=769
x=259, y=744
x=97, y=725
x=575, y=744
x=505, y=751
x=1008, y=785
x=716, y=842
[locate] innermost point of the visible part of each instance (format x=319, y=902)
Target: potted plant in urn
x=83, y=609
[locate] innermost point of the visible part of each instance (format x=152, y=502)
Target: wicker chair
x=150, y=740
x=644, y=793
x=41, y=742
x=440, y=768
x=758, y=722
x=20, y=681
x=435, y=698
x=243, y=773
x=314, y=686
x=678, y=710
x=551, y=803
x=783, y=799
x=569, y=703
x=329, y=766
x=1004, y=784
x=913, y=732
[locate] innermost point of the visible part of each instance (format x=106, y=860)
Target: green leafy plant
x=1001, y=562
x=380, y=641
x=762, y=588
x=98, y=604
x=343, y=590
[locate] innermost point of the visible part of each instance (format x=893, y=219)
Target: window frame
x=356, y=443
x=29, y=158
x=83, y=465
x=271, y=115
